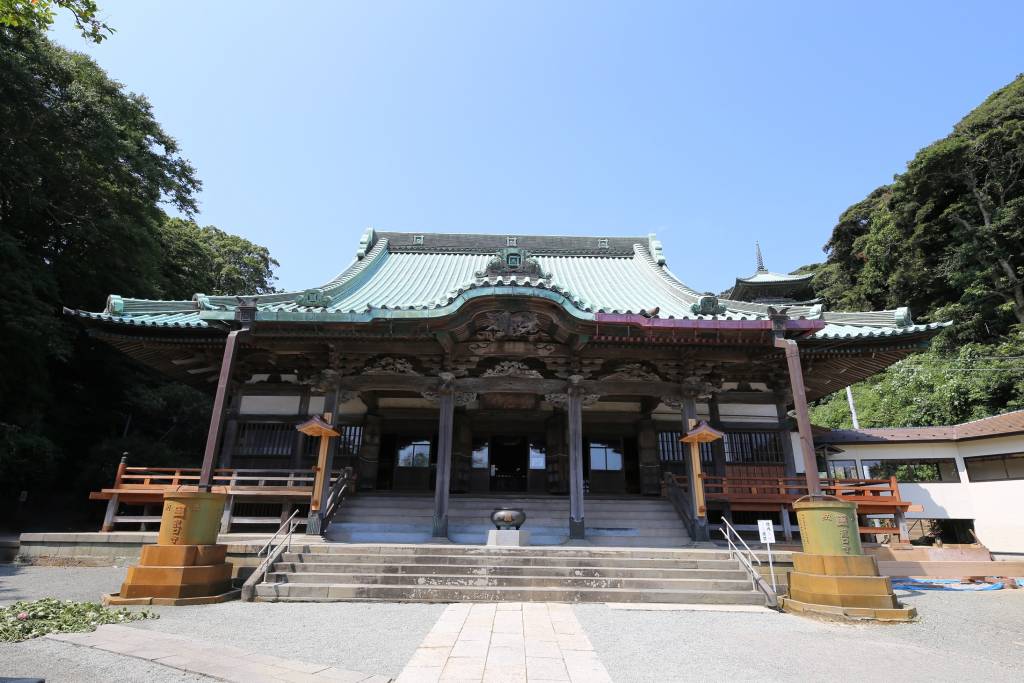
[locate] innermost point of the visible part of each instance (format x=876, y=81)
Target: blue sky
x=713, y=124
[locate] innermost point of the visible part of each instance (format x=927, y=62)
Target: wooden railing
x=145, y=486
x=164, y=478
x=787, y=489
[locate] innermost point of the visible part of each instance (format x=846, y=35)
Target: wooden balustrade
x=145, y=486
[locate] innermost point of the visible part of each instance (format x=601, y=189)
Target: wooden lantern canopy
x=317, y=426
x=702, y=433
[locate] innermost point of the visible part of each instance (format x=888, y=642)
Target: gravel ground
x=26, y=582
x=373, y=637
x=66, y=663
x=976, y=636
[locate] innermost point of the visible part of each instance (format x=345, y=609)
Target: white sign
x=766, y=528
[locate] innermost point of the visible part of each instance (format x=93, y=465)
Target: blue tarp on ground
x=942, y=585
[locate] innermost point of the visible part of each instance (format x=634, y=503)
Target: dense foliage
x=30, y=619
x=40, y=14
x=87, y=173
x=947, y=239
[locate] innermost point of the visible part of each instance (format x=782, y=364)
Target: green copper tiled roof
x=411, y=275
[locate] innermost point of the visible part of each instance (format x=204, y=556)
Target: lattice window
x=754, y=448
x=265, y=439
x=670, y=449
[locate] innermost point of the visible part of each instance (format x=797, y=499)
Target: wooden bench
x=146, y=486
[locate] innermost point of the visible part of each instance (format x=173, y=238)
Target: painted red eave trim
x=800, y=326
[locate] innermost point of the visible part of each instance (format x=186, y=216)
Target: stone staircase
x=610, y=522
x=458, y=573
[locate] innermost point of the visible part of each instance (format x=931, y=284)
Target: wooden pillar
x=227, y=445
x=787, y=525
x=558, y=458
x=650, y=464
x=803, y=418
x=322, y=476
x=369, y=452
x=717, y=447
x=213, y=437
x=110, y=517
x=575, y=410
x=462, y=453
x=901, y=524
x=442, y=483
x=226, y=516
x=787, y=443
x=697, y=510
x=300, y=438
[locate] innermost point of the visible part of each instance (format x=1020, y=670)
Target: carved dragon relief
x=633, y=372
x=512, y=368
x=389, y=365
x=500, y=325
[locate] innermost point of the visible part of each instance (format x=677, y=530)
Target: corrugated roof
x=421, y=274
x=998, y=425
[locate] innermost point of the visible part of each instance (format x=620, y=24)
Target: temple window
x=605, y=456
x=538, y=456
x=910, y=471
x=481, y=459
x=414, y=454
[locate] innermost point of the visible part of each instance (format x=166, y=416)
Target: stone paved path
x=217, y=661
x=506, y=642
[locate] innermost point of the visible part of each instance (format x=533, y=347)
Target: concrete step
x=326, y=568
x=510, y=581
x=328, y=592
x=499, y=553
x=524, y=561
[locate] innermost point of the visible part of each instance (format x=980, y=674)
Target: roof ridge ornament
x=513, y=261
x=654, y=246
x=366, y=243
x=708, y=305
x=760, y=259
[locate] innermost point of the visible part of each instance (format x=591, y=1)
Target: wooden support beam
x=446, y=415
x=577, y=525
x=803, y=418
x=217, y=416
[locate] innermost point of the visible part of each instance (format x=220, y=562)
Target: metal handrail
x=735, y=533
x=757, y=582
x=273, y=552
x=286, y=523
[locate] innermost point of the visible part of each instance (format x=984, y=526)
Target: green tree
x=211, y=261
x=40, y=14
x=86, y=173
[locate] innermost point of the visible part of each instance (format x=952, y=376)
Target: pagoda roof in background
x=765, y=286
x=407, y=275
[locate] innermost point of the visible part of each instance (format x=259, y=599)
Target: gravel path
x=26, y=582
x=373, y=637
x=66, y=663
x=978, y=636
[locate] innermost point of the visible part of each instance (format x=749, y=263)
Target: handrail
x=273, y=553
x=735, y=533
x=757, y=581
x=335, y=497
x=680, y=501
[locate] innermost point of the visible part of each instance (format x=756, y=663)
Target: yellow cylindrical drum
x=191, y=518
x=828, y=526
